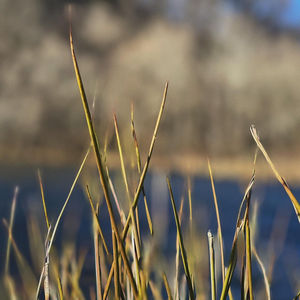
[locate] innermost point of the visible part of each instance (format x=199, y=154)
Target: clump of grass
x=125, y=272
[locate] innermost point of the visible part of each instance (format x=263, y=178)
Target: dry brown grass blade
x=277, y=175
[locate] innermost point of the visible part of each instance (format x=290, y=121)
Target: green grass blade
x=183, y=252
x=102, y=174
x=43, y=198
x=218, y=220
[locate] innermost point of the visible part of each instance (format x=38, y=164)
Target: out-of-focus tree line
x=229, y=64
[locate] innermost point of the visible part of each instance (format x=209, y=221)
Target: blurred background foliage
x=229, y=64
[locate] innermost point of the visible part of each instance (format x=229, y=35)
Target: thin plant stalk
x=212, y=265
x=97, y=258
x=233, y=255
x=11, y=223
x=96, y=220
x=60, y=216
x=167, y=286
x=142, y=177
x=100, y=167
x=248, y=251
x=138, y=159
x=43, y=198
x=116, y=269
x=266, y=282
x=182, y=248
x=218, y=220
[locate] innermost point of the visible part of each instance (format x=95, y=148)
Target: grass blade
x=279, y=178
x=102, y=175
x=60, y=216
x=212, y=265
x=11, y=223
x=183, y=252
x=43, y=198
x=167, y=286
x=266, y=282
x=233, y=255
x=97, y=221
x=138, y=158
x=218, y=220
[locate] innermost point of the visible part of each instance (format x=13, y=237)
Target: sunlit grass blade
x=212, y=265
x=97, y=257
x=263, y=270
x=116, y=269
x=218, y=219
x=147, y=163
x=11, y=222
x=279, y=178
x=155, y=291
x=189, y=188
x=113, y=192
x=43, y=198
x=182, y=248
x=248, y=253
x=101, y=170
x=167, y=286
x=176, y=279
x=297, y=297
x=143, y=174
x=233, y=255
x=138, y=158
x=97, y=221
x=60, y=215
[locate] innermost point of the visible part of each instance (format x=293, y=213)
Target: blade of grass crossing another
x=233, y=255
x=138, y=159
x=11, y=223
x=60, y=215
x=142, y=177
x=100, y=167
